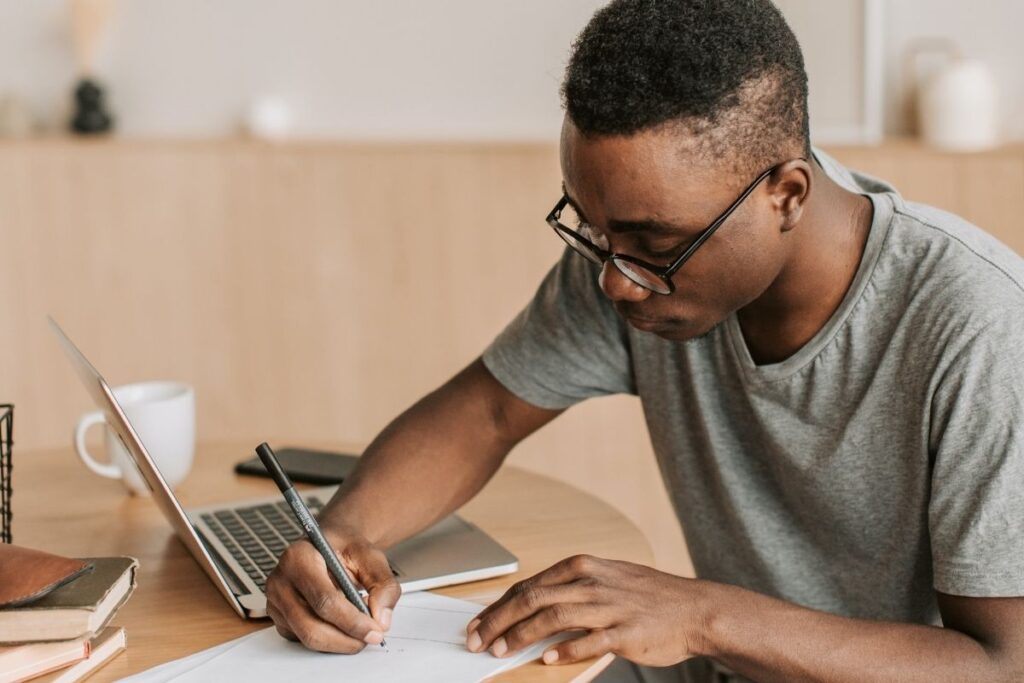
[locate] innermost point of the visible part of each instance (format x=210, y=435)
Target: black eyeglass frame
x=664, y=273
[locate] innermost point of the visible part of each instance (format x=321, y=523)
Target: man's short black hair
x=728, y=72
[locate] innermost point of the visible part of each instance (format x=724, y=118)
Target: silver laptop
x=238, y=544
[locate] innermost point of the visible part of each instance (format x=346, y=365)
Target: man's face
x=649, y=195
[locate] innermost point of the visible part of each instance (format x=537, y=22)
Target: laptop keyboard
x=257, y=535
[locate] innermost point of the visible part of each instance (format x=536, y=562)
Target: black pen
x=313, y=533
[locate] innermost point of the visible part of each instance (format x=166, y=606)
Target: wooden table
x=60, y=507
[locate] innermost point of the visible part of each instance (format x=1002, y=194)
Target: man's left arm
x=770, y=640
x=658, y=619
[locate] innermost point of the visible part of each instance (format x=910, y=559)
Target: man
x=833, y=379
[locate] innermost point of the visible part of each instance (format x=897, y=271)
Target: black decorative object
x=6, y=442
x=91, y=116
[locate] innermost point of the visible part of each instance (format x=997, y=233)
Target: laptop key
x=287, y=529
x=256, y=574
x=259, y=556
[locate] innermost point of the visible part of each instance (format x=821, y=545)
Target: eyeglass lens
x=577, y=228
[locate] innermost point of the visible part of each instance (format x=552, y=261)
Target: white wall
x=407, y=69
x=416, y=69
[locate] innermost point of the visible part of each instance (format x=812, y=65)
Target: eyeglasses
x=657, y=279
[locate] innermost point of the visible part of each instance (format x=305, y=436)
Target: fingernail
x=551, y=656
x=471, y=626
x=474, y=642
x=374, y=638
x=385, y=618
x=499, y=648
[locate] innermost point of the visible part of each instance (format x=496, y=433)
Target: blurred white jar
x=959, y=107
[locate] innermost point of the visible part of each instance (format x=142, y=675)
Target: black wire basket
x=6, y=442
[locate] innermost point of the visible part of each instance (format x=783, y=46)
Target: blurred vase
x=89, y=21
x=91, y=116
x=958, y=107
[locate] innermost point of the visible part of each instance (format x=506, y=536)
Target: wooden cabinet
x=986, y=188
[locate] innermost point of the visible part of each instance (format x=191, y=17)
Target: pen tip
x=383, y=643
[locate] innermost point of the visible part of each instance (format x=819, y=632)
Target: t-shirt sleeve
x=567, y=345
x=976, y=512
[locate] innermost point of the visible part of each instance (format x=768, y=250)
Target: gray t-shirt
x=880, y=462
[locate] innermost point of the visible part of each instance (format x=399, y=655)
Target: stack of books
x=55, y=614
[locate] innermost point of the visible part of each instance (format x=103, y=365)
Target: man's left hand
x=637, y=612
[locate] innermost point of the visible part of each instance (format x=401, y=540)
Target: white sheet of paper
x=426, y=643
x=171, y=670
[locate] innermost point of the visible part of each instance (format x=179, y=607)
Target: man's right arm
x=423, y=466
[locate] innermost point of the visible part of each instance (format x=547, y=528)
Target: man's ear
x=790, y=187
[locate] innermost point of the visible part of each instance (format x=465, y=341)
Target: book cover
x=76, y=609
x=105, y=647
x=27, y=574
x=22, y=662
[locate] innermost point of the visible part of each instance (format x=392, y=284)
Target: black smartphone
x=305, y=465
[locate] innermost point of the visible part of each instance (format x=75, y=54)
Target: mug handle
x=109, y=470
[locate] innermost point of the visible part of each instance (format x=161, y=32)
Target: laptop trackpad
x=450, y=546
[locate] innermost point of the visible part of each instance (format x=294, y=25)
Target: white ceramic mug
x=163, y=414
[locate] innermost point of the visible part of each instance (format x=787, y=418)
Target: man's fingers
x=594, y=644
x=329, y=603
x=559, y=618
x=295, y=618
x=564, y=571
x=280, y=623
x=524, y=605
x=373, y=571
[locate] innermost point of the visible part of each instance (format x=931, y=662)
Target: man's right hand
x=307, y=606
x=433, y=458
